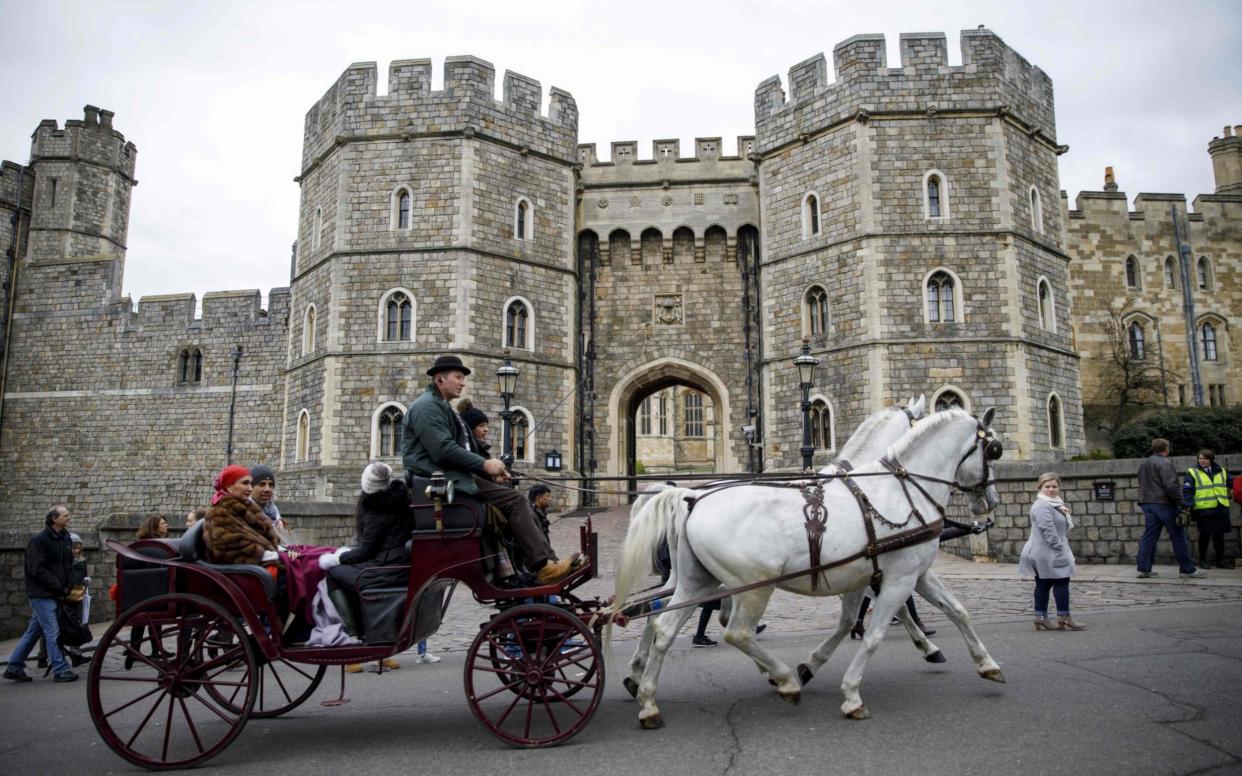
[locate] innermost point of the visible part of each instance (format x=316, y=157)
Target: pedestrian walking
x=49, y=577
x=1160, y=498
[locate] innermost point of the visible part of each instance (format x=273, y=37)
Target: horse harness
x=815, y=514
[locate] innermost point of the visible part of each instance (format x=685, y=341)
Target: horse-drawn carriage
x=198, y=648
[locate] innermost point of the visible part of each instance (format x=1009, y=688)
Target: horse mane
x=898, y=449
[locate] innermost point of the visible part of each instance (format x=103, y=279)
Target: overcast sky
x=214, y=93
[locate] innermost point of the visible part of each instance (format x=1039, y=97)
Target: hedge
x=1188, y=430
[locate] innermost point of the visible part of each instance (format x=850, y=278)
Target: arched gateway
x=642, y=381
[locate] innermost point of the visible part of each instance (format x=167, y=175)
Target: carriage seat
x=144, y=580
x=464, y=514
x=194, y=550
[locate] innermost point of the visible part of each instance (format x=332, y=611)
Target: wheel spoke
x=145, y=720
x=212, y=709
x=190, y=722
x=293, y=667
x=167, y=729
x=124, y=706
x=280, y=684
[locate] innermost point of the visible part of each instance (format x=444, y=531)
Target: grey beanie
x=376, y=477
x=75, y=539
x=262, y=472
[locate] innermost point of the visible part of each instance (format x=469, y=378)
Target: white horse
x=751, y=534
x=868, y=442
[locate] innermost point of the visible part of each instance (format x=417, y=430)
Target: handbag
x=73, y=632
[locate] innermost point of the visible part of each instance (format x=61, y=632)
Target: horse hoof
x=993, y=675
x=859, y=713
x=935, y=657
x=804, y=673
x=654, y=722
x=792, y=698
x=631, y=686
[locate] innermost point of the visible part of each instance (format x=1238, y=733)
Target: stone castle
x=906, y=221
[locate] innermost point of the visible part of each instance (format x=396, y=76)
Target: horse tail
x=655, y=520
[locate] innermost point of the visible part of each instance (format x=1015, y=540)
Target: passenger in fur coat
x=235, y=529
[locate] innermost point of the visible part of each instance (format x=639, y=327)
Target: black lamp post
x=235, y=354
x=806, y=364
x=507, y=376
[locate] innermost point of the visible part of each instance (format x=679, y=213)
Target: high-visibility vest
x=1210, y=492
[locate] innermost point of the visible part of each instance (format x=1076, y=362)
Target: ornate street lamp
x=235, y=354
x=507, y=376
x=552, y=460
x=806, y=364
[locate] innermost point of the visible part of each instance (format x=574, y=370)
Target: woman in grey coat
x=1047, y=555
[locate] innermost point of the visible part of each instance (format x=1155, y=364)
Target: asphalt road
x=1147, y=689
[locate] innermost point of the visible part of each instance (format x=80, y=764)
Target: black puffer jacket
x=49, y=564
x=385, y=523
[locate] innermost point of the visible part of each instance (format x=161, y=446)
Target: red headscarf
x=226, y=479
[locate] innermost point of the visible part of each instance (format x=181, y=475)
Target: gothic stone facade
x=449, y=221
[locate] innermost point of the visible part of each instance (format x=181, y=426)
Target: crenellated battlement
x=90, y=139
x=11, y=183
x=1104, y=207
x=220, y=309
x=664, y=152
x=353, y=108
x=992, y=76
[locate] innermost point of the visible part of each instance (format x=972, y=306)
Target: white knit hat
x=376, y=477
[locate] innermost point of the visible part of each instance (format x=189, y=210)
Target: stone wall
x=1104, y=531
x=1103, y=233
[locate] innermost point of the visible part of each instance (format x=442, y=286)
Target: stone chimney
x=1227, y=160
x=1110, y=182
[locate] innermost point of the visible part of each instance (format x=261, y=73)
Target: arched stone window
x=523, y=219
x=402, y=198
x=523, y=441
x=190, y=366
x=618, y=246
x=942, y=297
x=316, y=228
x=948, y=398
x=715, y=244
x=683, y=245
x=1207, y=339
x=1205, y=274
x=1056, y=423
x=823, y=425
x=1037, y=211
x=308, y=330
x=815, y=320
x=302, y=438
x=935, y=195
x=652, y=243
x=519, y=330
x=1170, y=273
x=1047, y=306
x=692, y=403
x=644, y=417
x=1137, y=338
x=747, y=245
x=1134, y=278
x=397, y=316
x=810, y=215
x=386, y=430
x=662, y=414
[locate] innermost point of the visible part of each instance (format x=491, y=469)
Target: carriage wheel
x=156, y=714
x=523, y=670
x=504, y=652
x=282, y=685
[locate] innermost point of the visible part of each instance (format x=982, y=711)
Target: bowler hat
x=447, y=364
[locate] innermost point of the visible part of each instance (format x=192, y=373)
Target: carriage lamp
x=507, y=376
x=552, y=460
x=806, y=364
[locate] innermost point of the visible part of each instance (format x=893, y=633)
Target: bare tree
x=1136, y=376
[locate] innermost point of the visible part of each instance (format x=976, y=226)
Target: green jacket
x=431, y=439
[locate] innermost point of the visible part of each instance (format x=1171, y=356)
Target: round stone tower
x=431, y=222
x=912, y=231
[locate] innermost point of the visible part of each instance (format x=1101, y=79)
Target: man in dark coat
x=435, y=438
x=1160, y=496
x=49, y=577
